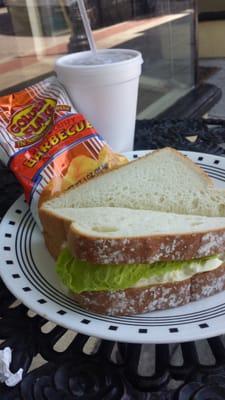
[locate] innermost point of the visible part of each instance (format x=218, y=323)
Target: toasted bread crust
x=155, y=297
x=55, y=231
x=145, y=249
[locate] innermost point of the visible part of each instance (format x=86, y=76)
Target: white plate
x=28, y=271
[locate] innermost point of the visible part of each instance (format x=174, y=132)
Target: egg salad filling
x=80, y=276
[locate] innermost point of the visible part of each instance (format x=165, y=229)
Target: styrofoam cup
x=106, y=93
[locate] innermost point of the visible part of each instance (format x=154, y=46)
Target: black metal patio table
x=113, y=371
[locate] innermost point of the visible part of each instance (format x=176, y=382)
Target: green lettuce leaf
x=80, y=276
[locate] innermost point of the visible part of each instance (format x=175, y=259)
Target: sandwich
x=148, y=235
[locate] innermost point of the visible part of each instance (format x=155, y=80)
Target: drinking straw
x=87, y=26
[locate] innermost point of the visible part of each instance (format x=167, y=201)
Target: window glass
x=34, y=32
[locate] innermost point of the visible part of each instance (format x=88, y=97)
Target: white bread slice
x=121, y=235
x=112, y=222
x=162, y=181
